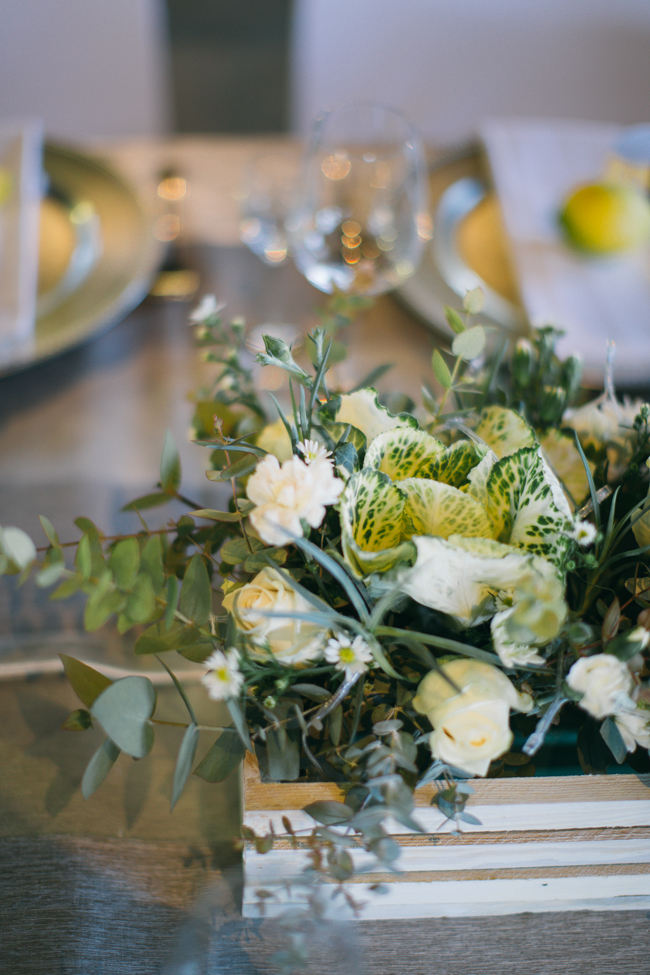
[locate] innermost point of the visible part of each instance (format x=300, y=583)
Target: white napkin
x=20, y=196
x=534, y=165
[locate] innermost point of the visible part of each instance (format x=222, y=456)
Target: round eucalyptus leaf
x=123, y=710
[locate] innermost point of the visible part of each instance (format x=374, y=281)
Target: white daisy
x=224, y=678
x=351, y=656
x=584, y=532
x=313, y=451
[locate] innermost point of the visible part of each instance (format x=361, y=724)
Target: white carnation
x=288, y=493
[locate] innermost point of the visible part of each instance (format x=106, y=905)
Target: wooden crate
x=544, y=844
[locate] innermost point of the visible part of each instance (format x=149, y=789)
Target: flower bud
x=552, y=403
x=523, y=362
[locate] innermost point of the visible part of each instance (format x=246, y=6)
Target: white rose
x=291, y=641
x=634, y=727
x=468, y=703
x=605, y=683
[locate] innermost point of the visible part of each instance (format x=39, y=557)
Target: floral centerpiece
x=393, y=594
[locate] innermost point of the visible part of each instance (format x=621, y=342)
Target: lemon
x=605, y=218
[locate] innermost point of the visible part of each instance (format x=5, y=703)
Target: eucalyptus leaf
x=441, y=369
x=86, y=682
x=196, y=595
x=455, y=322
x=184, y=761
x=330, y=812
x=124, y=710
x=124, y=562
x=470, y=343
x=152, y=562
x=98, y=767
x=613, y=739
x=146, y=501
x=282, y=755
x=239, y=721
x=222, y=758
x=79, y=720
x=141, y=604
x=212, y=515
x=49, y=530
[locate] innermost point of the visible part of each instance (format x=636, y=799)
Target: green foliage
x=124, y=710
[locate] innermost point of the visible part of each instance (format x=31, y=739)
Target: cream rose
x=290, y=641
x=468, y=703
x=605, y=683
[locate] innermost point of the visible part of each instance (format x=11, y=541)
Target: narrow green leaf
x=455, y=322
x=153, y=500
x=98, y=767
x=337, y=572
x=86, y=682
x=196, y=595
x=239, y=722
x=213, y=515
x=173, y=592
x=184, y=761
x=124, y=710
x=68, y=587
x=222, y=758
x=170, y=466
x=124, y=562
x=181, y=690
x=239, y=469
x=441, y=369
x=49, y=530
x=83, y=561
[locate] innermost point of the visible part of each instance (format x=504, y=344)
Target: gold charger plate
x=97, y=255
x=468, y=249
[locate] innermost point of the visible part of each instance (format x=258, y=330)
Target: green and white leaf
x=363, y=410
x=527, y=507
x=434, y=508
x=454, y=463
x=504, y=430
x=402, y=452
x=372, y=512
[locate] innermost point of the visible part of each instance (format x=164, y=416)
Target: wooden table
x=117, y=884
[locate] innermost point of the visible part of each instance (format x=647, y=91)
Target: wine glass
x=360, y=221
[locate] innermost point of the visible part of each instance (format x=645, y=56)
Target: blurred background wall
x=126, y=67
